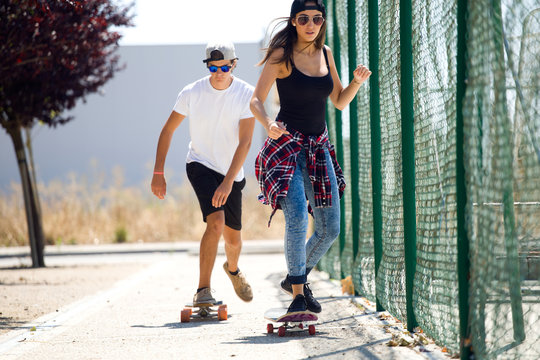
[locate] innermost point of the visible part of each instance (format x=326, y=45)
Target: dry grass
x=79, y=211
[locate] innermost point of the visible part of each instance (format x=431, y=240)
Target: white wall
x=121, y=126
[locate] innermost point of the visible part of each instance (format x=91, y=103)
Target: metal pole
x=407, y=148
x=353, y=128
x=375, y=125
x=339, y=130
x=510, y=237
x=463, y=262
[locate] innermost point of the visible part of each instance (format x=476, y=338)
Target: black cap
x=300, y=5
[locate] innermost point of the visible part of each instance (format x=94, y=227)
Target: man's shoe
x=297, y=305
x=204, y=297
x=240, y=284
x=311, y=303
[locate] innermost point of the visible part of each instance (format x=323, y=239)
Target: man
x=221, y=126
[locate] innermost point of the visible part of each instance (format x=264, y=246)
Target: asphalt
x=139, y=316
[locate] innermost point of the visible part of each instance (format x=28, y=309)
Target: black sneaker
x=311, y=303
x=298, y=304
x=286, y=285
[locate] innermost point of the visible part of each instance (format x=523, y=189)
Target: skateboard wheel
x=185, y=315
x=269, y=328
x=311, y=329
x=301, y=326
x=281, y=331
x=222, y=313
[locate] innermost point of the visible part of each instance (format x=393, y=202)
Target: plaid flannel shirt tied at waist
x=276, y=162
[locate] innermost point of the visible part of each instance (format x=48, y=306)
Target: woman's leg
x=326, y=220
x=294, y=207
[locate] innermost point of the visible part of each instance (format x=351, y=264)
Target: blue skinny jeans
x=302, y=256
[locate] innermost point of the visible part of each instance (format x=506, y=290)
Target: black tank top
x=303, y=100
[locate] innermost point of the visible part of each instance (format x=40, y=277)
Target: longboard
x=293, y=322
x=204, y=310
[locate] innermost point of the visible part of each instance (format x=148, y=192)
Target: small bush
x=120, y=235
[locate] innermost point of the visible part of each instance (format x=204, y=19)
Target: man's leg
x=215, y=224
x=233, y=247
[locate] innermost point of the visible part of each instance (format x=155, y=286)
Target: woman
x=297, y=161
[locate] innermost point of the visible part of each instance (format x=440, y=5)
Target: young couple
x=304, y=71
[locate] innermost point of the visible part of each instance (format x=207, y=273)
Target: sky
x=166, y=22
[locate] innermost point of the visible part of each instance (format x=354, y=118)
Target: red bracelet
x=158, y=172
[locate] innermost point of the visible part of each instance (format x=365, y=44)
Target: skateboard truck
x=204, y=310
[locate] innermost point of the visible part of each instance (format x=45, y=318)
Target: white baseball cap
x=220, y=51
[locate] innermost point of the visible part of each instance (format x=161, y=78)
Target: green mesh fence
x=331, y=261
x=501, y=116
x=436, y=280
x=363, y=271
x=501, y=144
x=346, y=256
x=390, y=283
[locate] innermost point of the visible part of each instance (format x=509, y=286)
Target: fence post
x=407, y=149
x=463, y=263
x=353, y=127
x=375, y=126
x=339, y=132
x=510, y=237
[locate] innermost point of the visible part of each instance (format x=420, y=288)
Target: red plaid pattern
x=276, y=161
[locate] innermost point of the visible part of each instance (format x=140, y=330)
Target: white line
x=51, y=324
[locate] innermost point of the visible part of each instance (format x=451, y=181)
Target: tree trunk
x=33, y=218
x=32, y=168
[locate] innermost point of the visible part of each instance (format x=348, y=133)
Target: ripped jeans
x=301, y=257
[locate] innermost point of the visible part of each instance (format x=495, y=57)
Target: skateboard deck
x=293, y=322
x=204, y=310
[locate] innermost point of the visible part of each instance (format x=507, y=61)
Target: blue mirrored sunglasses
x=224, y=68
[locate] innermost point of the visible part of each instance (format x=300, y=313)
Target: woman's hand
x=276, y=129
x=361, y=74
x=159, y=186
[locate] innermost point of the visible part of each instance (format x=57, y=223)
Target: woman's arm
x=271, y=71
x=341, y=97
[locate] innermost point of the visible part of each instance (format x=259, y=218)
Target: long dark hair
x=286, y=38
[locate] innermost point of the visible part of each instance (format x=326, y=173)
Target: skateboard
x=293, y=322
x=203, y=311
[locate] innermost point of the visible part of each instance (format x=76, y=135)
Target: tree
x=52, y=53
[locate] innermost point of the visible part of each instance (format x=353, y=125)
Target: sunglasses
x=304, y=19
x=224, y=68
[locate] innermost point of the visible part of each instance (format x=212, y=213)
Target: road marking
x=53, y=324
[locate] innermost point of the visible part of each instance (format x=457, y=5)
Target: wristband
x=158, y=173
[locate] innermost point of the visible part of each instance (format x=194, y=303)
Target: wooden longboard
x=204, y=310
x=293, y=322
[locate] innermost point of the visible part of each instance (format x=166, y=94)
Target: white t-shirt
x=214, y=117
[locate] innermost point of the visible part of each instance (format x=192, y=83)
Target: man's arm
x=245, y=134
x=159, y=185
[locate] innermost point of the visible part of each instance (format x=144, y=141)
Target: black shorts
x=205, y=182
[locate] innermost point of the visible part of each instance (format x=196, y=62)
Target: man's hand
x=221, y=194
x=159, y=185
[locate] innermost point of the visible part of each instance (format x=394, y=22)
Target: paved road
x=138, y=318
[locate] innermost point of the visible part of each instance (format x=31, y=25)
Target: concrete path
x=139, y=317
